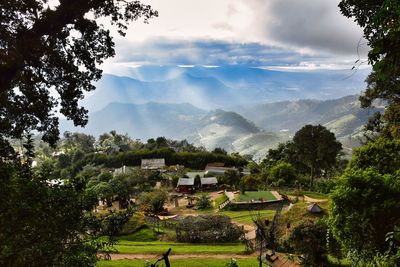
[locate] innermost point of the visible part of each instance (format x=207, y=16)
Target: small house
x=152, y=164
x=209, y=182
x=314, y=208
x=185, y=185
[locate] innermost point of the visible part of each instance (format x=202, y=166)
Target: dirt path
x=307, y=199
x=314, y=200
x=120, y=256
x=276, y=195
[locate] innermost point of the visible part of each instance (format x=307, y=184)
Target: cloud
x=215, y=53
x=309, y=24
x=280, y=33
x=305, y=25
x=161, y=51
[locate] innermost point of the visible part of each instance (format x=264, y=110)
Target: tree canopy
x=49, y=56
x=317, y=147
x=50, y=52
x=365, y=207
x=380, y=21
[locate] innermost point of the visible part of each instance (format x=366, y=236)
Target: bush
x=153, y=201
x=175, y=180
x=324, y=186
x=136, y=221
x=207, y=229
x=204, y=202
x=309, y=239
x=281, y=182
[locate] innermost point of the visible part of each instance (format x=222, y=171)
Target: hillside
x=343, y=116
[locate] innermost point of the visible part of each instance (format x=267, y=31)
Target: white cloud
x=310, y=29
x=306, y=25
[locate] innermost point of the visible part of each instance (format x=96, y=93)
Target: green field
x=245, y=216
x=256, y=195
x=158, y=247
x=194, y=262
x=220, y=200
x=144, y=234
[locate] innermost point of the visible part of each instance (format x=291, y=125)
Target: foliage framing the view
x=380, y=21
x=57, y=48
x=49, y=56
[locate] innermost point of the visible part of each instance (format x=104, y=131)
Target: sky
x=274, y=34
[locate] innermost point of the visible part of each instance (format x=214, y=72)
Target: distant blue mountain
x=204, y=92
x=142, y=121
x=210, y=88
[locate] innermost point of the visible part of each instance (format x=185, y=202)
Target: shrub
x=204, y=202
x=153, y=201
x=207, y=229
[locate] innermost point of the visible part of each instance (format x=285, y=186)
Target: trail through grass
x=158, y=247
x=194, y=262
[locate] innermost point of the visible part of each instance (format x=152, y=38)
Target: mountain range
x=246, y=129
x=222, y=87
x=239, y=108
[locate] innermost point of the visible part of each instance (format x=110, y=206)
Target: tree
x=250, y=183
x=49, y=56
x=104, y=192
x=65, y=48
x=113, y=142
x=153, y=201
x=365, y=207
x=317, y=147
x=253, y=167
x=231, y=178
x=382, y=155
x=380, y=22
x=121, y=188
x=78, y=141
x=49, y=224
x=283, y=171
x=285, y=152
x=203, y=202
x=219, y=150
x=197, y=181
x=309, y=239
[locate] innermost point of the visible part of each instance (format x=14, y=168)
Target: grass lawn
x=297, y=215
x=245, y=216
x=159, y=247
x=221, y=199
x=256, y=195
x=197, y=262
x=144, y=234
